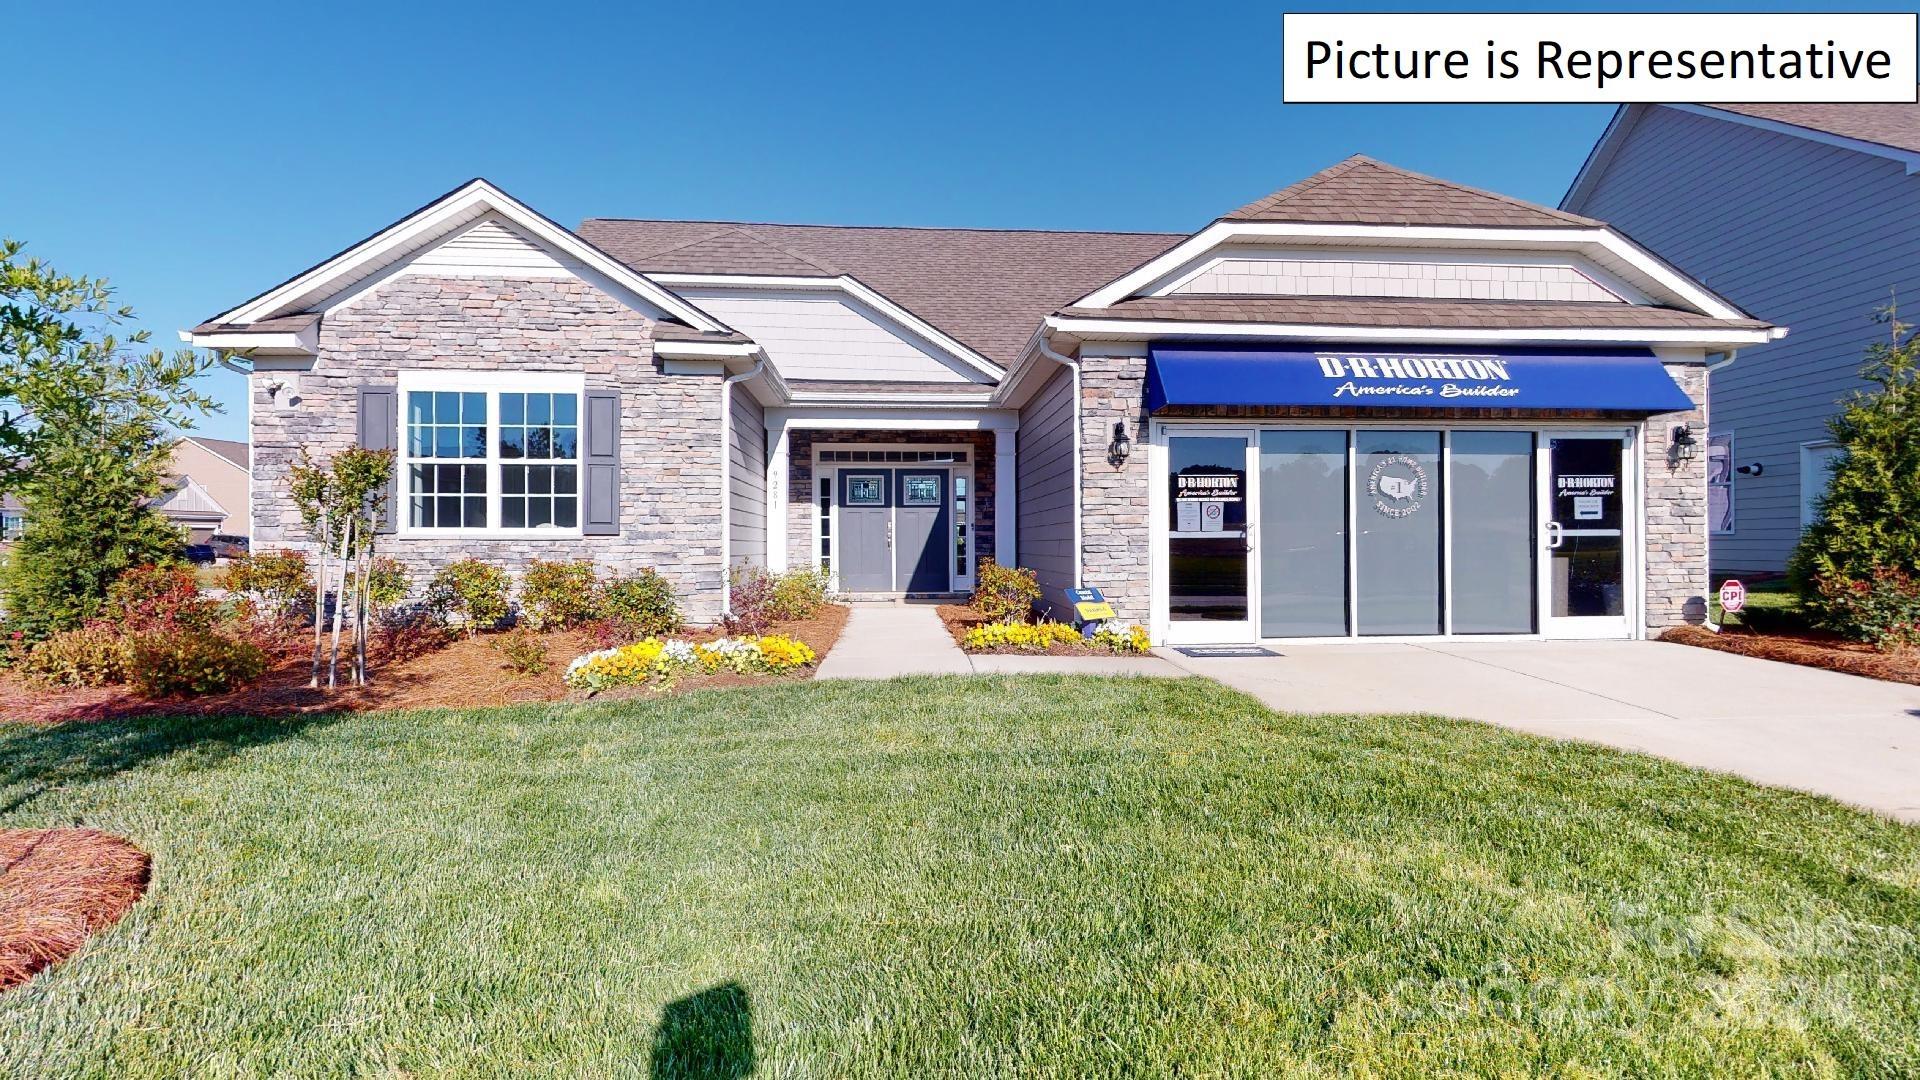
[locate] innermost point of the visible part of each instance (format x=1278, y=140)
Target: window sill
x=489, y=534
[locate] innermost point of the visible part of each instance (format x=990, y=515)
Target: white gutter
x=1072, y=365
x=726, y=475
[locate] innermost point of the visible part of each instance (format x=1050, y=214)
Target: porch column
x=1006, y=499
x=777, y=495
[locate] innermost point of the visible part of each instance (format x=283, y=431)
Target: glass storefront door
x=1209, y=542
x=1586, y=536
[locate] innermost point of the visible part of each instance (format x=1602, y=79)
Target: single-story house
x=1371, y=404
x=1810, y=213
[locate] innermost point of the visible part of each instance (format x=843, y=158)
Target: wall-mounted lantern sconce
x=1684, y=444
x=1120, y=447
x=1754, y=469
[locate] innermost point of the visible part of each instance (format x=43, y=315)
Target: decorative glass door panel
x=1398, y=512
x=1209, y=543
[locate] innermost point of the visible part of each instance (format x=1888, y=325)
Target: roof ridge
x=1483, y=192
x=1272, y=203
x=827, y=268
x=681, y=247
x=889, y=228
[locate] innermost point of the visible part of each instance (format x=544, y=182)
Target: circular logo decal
x=1398, y=485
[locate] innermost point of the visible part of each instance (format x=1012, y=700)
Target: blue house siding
x=1812, y=237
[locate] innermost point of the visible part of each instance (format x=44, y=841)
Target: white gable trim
x=1149, y=329
x=423, y=229
x=1603, y=246
x=852, y=287
x=1628, y=117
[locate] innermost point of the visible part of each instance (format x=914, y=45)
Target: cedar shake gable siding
x=671, y=452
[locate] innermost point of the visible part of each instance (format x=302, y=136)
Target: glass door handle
x=1555, y=535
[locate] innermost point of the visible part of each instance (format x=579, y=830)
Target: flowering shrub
x=90, y=655
x=559, y=595
x=1121, y=638
x=1883, y=608
x=1005, y=593
x=182, y=662
x=277, y=581
x=158, y=599
x=640, y=606
x=654, y=660
x=1037, y=637
x=471, y=593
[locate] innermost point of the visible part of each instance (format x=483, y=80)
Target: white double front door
x=1375, y=532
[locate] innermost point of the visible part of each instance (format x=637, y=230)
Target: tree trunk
x=364, y=628
x=319, y=599
x=339, y=604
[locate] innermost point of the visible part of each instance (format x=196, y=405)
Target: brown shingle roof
x=230, y=449
x=1362, y=191
x=280, y=324
x=989, y=288
x=1896, y=124
x=1351, y=311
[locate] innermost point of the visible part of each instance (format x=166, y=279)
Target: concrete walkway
x=885, y=638
x=1852, y=738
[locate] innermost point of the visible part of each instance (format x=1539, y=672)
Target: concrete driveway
x=1851, y=738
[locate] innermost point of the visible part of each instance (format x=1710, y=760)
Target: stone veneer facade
x=803, y=499
x=1115, y=530
x=671, y=467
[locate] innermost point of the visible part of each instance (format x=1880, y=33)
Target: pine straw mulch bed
x=57, y=888
x=1810, y=650
x=961, y=618
x=464, y=673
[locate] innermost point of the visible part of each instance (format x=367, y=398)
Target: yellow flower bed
x=1041, y=636
x=655, y=660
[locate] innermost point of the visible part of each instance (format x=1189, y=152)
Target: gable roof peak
x=1361, y=190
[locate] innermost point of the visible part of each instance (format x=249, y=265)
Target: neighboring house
x=1370, y=404
x=211, y=489
x=1809, y=213
x=208, y=492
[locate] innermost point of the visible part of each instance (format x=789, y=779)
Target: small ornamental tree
x=340, y=502
x=1867, y=525
x=86, y=425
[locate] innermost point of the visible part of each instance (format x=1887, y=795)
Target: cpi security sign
x=1598, y=59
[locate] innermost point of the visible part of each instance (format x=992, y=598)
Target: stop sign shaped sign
x=1733, y=595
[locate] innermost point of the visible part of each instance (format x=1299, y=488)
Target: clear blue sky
x=196, y=154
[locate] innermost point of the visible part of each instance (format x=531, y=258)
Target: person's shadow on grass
x=705, y=1036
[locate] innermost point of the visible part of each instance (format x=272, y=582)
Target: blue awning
x=1625, y=380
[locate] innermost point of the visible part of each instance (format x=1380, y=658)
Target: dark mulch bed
x=57, y=888
x=1811, y=650
x=960, y=618
x=461, y=674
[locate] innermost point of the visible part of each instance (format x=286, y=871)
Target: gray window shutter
x=600, y=516
x=380, y=430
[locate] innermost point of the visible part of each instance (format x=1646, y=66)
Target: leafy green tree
x=340, y=502
x=85, y=430
x=1869, y=518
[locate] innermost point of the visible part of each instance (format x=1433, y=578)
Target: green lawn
x=1040, y=876
x=1771, y=606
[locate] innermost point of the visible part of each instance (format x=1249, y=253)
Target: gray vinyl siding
x=747, y=481
x=1812, y=237
x=1045, y=486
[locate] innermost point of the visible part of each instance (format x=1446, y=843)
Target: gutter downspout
x=1732, y=355
x=1072, y=365
x=726, y=475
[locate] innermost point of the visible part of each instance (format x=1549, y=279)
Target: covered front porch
x=891, y=504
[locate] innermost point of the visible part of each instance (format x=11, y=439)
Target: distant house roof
x=1362, y=191
x=988, y=288
x=1895, y=124
x=230, y=449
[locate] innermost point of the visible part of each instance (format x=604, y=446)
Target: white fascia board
x=703, y=350
x=823, y=416
x=304, y=343
x=1907, y=158
x=1138, y=329
x=1571, y=238
x=882, y=400
x=850, y=286
x=466, y=202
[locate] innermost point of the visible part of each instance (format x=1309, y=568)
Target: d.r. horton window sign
x=1398, y=485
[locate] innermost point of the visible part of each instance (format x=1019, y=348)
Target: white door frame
x=830, y=471
x=1591, y=626
x=1201, y=632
